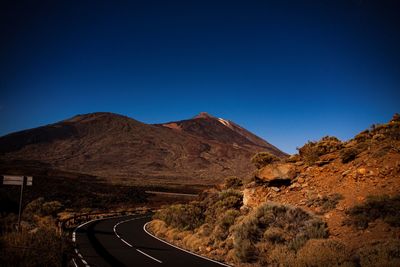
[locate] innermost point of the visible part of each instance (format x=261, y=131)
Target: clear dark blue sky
x=290, y=71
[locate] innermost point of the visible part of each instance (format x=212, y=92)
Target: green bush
x=262, y=159
x=376, y=207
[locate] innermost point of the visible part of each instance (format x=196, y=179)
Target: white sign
x=16, y=180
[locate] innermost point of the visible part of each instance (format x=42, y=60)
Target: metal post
x=20, y=203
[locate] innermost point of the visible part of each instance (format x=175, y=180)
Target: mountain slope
x=121, y=149
x=223, y=131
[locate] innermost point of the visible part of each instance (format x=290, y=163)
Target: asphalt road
x=124, y=242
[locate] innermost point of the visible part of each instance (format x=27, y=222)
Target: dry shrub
x=181, y=216
x=282, y=256
x=223, y=224
x=157, y=227
x=349, y=154
x=273, y=223
x=311, y=151
x=384, y=253
x=193, y=242
x=225, y=200
x=376, y=207
x=262, y=159
x=233, y=182
x=42, y=247
x=320, y=252
x=326, y=203
x=40, y=207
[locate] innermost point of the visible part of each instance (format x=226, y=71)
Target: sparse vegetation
x=376, y=207
x=182, y=216
x=233, y=182
x=349, y=154
x=262, y=159
x=311, y=151
x=319, y=252
x=325, y=203
x=385, y=253
x=265, y=233
x=38, y=243
x=41, y=247
x=272, y=224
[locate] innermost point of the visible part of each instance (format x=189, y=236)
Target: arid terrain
x=333, y=204
x=117, y=149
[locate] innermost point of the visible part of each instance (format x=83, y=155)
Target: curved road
x=123, y=241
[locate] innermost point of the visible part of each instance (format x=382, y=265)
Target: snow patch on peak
x=224, y=122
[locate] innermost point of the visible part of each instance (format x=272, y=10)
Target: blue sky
x=289, y=71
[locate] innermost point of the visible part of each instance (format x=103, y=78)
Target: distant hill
x=201, y=150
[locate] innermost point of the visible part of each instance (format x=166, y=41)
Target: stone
x=276, y=171
x=346, y=172
x=362, y=171
x=276, y=189
x=322, y=162
x=301, y=180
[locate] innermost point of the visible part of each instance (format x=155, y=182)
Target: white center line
x=138, y=250
x=125, y=242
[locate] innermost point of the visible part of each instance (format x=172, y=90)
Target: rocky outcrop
x=276, y=171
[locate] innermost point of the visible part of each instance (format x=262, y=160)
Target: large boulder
x=276, y=171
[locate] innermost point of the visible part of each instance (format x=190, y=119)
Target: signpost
x=21, y=181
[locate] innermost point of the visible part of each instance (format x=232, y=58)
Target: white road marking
x=79, y=226
x=125, y=242
x=138, y=250
x=187, y=251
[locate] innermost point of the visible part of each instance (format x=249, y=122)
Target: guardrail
x=70, y=223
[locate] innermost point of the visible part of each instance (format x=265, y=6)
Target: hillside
x=333, y=204
x=122, y=150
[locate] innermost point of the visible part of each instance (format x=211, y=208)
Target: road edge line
x=79, y=226
x=187, y=251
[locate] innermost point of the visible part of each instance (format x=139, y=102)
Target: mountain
x=200, y=150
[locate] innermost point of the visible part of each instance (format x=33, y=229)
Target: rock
x=276, y=189
x=345, y=173
x=277, y=171
x=322, y=162
x=247, y=193
x=294, y=185
x=301, y=180
x=362, y=171
x=304, y=185
x=299, y=163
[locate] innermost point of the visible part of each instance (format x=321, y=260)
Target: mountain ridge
x=119, y=148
